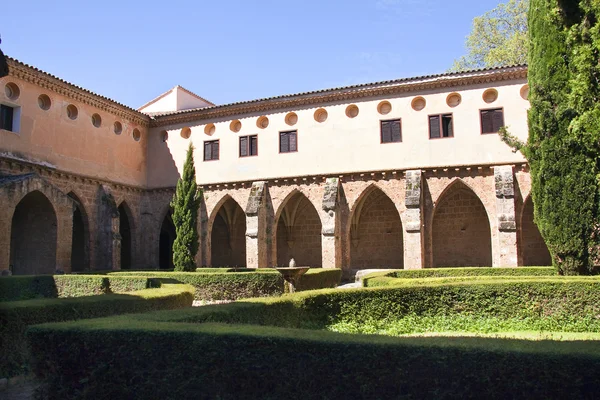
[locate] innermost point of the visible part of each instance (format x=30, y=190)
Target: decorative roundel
x=490, y=95
x=210, y=129
x=321, y=115
x=453, y=99
x=291, y=119
x=186, y=132
x=235, y=126
x=262, y=122
x=384, y=108
x=352, y=111
x=418, y=103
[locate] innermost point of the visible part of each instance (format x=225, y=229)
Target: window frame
x=289, y=151
x=381, y=121
x=481, y=119
x=248, y=146
x=441, y=126
x=204, y=150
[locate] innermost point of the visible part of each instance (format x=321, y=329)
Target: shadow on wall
x=161, y=170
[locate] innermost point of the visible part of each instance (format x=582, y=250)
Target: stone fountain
x=292, y=274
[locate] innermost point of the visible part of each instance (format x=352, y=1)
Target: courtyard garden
x=434, y=333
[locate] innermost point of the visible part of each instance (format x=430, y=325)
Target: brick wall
x=301, y=240
x=461, y=230
x=376, y=241
x=533, y=248
x=33, y=236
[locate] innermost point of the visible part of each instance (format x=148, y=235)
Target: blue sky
x=234, y=50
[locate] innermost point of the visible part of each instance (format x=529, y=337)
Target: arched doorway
x=80, y=238
x=125, y=231
x=461, y=230
x=228, y=236
x=533, y=249
x=167, y=237
x=298, y=233
x=33, y=236
x=376, y=232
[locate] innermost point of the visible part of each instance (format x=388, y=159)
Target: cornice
x=47, y=171
x=430, y=171
x=42, y=79
x=388, y=88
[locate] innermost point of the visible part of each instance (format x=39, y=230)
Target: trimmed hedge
x=152, y=354
x=16, y=316
x=265, y=282
x=16, y=288
x=460, y=271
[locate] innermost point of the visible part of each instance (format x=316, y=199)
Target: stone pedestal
x=330, y=237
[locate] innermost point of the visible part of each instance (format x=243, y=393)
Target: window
x=288, y=141
x=248, y=146
x=440, y=126
x=6, y=117
x=391, y=131
x=492, y=120
x=211, y=150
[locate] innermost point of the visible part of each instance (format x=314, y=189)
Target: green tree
x=498, y=38
x=563, y=147
x=186, y=203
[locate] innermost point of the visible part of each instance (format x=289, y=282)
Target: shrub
x=456, y=272
x=16, y=316
x=15, y=288
x=152, y=354
x=319, y=278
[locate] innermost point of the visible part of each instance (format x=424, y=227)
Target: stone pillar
x=330, y=235
x=108, y=238
x=64, y=233
x=6, y=213
x=257, y=254
x=504, y=249
x=413, y=221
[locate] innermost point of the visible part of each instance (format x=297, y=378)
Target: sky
x=230, y=50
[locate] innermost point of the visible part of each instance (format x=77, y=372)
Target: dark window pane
x=243, y=146
x=207, y=151
x=253, y=145
x=396, y=131
x=284, y=143
x=486, y=122
x=215, y=150
x=497, y=120
x=293, y=141
x=434, y=127
x=6, y=116
x=447, y=125
x=386, y=131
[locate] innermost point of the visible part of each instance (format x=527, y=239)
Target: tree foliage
x=186, y=203
x=563, y=148
x=498, y=38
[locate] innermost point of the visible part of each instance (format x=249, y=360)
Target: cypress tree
x=185, y=203
x=563, y=147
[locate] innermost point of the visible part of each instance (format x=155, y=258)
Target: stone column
x=64, y=231
x=108, y=238
x=330, y=235
x=504, y=249
x=413, y=221
x=6, y=213
x=257, y=252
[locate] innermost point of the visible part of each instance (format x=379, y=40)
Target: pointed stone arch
x=34, y=235
x=460, y=228
x=298, y=231
x=375, y=231
x=227, y=234
x=532, y=249
x=126, y=229
x=166, y=239
x=80, y=244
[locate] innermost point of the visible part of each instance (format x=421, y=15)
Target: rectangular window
x=492, y=120
x=211, y=150
x=248, y=146
x=288, y=142
x=391, y=131
x=6, y=117
x=440, y=126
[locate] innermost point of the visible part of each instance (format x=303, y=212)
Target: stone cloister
x=396, y=219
